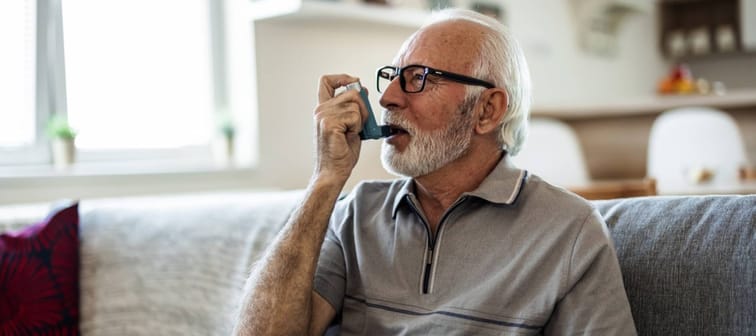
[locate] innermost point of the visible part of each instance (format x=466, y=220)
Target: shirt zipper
x=432, y=240
x=427, y=270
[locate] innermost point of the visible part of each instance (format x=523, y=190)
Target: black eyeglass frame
x=428, y=71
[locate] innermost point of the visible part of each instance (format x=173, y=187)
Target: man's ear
x=493, y=105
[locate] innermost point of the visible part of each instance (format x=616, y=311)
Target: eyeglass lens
x=412, y=80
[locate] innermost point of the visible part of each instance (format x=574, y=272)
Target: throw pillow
x=39, y=277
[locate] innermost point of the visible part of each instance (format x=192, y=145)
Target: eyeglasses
x=412, y=77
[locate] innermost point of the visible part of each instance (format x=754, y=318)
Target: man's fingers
x=347, y=107
x=342, y=122
x=329, y=84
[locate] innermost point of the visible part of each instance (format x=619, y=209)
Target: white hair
x=502, y=63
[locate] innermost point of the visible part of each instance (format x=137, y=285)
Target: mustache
x=397, y=120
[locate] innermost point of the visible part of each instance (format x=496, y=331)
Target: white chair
x=694, y=150
x=553, y=152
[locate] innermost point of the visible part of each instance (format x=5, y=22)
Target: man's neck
x=438, y=190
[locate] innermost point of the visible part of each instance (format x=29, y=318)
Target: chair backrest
x=694, y=147
x=553, y=152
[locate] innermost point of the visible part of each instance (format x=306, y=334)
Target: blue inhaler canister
x=370, y=130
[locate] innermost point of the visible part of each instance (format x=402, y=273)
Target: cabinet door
x=748, y=22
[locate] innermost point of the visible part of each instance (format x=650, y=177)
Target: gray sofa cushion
x=175, y=265
x=689, y=263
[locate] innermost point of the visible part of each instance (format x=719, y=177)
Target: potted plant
x=224, y=150
x=62, y=136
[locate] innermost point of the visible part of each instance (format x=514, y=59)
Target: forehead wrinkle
x=449, y=45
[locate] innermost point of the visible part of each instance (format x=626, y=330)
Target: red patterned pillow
x=39, y=277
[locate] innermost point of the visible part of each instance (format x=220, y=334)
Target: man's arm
x=279, y=297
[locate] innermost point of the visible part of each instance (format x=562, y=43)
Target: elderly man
x=468, y=244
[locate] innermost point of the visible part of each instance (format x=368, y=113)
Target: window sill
x=24, y=184
x=129, y=168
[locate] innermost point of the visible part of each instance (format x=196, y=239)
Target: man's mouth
x=396, y=130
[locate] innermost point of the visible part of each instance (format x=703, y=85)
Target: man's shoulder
x=539, y=192
x=372, y=195
x=371, y=190
x=366, y=200
x=555, y=211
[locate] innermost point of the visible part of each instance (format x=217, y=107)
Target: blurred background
x=103, y=98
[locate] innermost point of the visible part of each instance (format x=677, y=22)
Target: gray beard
x=429, y=151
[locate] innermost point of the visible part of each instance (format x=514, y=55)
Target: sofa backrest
x=172, y=265
x=688, y=263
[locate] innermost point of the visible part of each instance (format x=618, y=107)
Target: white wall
x=290, y=60
x=564, y=73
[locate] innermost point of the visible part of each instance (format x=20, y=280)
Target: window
x=143, y=78
x=16, y=83
x=18, y=121
x=140, y=80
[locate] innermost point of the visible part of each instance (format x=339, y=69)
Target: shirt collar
x=502, y=186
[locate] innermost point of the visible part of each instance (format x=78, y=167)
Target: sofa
x=176, y=264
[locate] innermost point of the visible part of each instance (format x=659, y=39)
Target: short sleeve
x=595, y=302
x=330, y=276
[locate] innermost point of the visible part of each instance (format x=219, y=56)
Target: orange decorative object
x=679, y=81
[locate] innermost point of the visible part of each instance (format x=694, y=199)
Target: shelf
x=329, y=11
x=693, y=28
x=649, y=105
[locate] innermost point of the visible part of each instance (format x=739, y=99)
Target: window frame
x=50, y=95
x=38, y=152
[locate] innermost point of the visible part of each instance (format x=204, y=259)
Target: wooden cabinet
x=694, y=28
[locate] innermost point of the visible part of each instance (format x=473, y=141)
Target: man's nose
x=393, y=96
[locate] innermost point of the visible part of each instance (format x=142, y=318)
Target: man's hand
x=338, y=122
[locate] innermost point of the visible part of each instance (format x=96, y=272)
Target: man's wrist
x=326, y=177
x=323, y=181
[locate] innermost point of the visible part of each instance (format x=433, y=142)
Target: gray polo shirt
x=516, y=256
